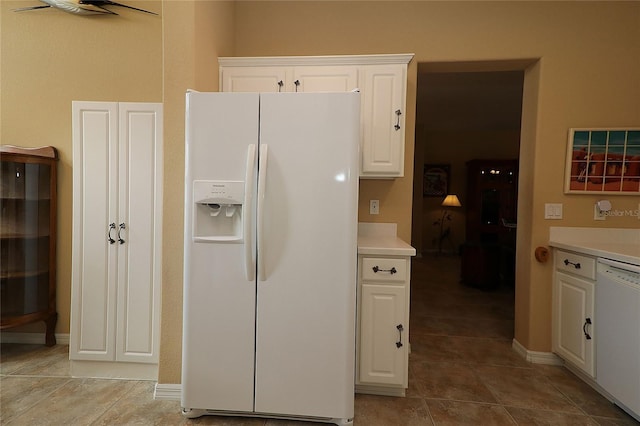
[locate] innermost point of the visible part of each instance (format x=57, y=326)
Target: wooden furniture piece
x=488, y=254
x=28, y=237
x=381, y=80
x=117, y=239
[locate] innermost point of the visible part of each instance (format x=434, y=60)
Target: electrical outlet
x=597, y=214
x=374, y=206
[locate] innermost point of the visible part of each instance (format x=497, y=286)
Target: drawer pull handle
x=584, y=328
x=120, y=228
x=397, y=125
x=400, y=330
x=575, y=265
x=109, y=238
x=392, y=271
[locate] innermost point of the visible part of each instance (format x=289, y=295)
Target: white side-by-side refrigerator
x=270, y=255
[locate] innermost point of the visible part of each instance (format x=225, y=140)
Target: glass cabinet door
x=27, y=248
x=25, y=237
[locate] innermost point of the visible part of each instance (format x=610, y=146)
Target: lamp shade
x=451, y=200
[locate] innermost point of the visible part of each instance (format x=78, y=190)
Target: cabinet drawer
x=577, y=264
x=384, y=269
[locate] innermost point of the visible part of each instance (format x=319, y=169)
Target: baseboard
x=113, y=370
x=32, y=338
x=168, y=392
x=535, y=357
x=381, y=390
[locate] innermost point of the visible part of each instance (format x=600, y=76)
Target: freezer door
x=219, y=298
x=306, y=290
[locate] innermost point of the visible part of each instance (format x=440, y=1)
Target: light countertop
x=382, y=239
x=618, y=244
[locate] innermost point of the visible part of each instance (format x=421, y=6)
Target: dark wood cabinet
x=28, y=237
x=488, y=254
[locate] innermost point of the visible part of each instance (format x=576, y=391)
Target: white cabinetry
x=574, y=324
x=383, y=110
x=117, y=224
x=382, y=80
x=255, y=79
x=384, y=324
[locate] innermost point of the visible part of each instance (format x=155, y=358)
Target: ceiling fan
x=83, y=7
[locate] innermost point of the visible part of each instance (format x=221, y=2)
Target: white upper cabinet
x=381, y=79
x=255, y=79
x=383, y=111
x=325, y=78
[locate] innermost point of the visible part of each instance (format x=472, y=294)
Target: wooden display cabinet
x=488, y=254
x=28, y=237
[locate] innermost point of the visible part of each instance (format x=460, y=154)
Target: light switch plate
x=553, y=211
x=597, y=214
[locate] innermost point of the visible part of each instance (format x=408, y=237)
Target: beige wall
x=586, y=76
x=588, y=52
x=195, y=34
x=50, y=58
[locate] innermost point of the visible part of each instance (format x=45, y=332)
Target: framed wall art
x=603, y=161
x=436, y=180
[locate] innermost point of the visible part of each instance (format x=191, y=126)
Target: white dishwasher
x=617, y=322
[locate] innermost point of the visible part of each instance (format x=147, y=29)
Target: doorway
x=464, y=112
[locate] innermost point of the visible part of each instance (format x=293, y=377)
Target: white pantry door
x=117, y=224
x=95, y=207
x=140, y=228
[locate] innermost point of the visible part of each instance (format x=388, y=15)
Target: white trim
x=32, y=338
x=168, y=392
x=113, y=370
x=255, y=61
x=535, y=357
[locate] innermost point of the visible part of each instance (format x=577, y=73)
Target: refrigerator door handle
x=247, y=217
x=262, y=184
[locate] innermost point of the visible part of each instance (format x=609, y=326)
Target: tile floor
x=462, y=372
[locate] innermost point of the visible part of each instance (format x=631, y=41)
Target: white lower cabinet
x=383, y=325
x=117, y=225
x=574, y=324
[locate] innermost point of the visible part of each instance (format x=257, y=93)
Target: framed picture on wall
x=603, y=160
x=436, y=180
